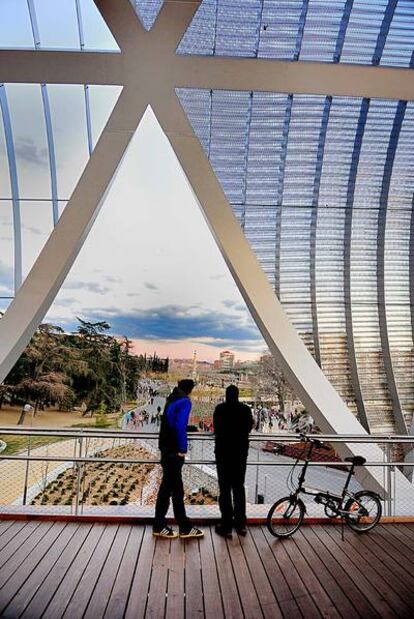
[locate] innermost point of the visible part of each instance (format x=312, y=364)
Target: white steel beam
x=56, y=67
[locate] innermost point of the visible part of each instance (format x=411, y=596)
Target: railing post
x=389, y=481
x=78, y=481
x=26, y=475
x=257, y=480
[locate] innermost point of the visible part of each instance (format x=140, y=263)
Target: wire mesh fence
x=115, y=472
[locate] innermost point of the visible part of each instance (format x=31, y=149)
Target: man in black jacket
x=233, y=421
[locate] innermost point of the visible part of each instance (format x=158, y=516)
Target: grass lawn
x=17, y=444
x=49, y=418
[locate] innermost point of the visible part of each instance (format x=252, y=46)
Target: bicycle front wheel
x=285, y=517
x=363, y=511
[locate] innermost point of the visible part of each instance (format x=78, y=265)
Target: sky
x=150, y=266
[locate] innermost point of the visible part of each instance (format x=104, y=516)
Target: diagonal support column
x=49, y=271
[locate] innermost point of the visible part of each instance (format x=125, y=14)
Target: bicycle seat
x=357, y=460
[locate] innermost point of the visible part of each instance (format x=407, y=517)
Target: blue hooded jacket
x=173, y=431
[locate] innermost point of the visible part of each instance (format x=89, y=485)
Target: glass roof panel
x=37, y=225
x=15, y=29
x=30, y=142
x=53, y=24
x=57, y=23
x=7, y=253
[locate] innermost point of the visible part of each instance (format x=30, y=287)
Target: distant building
x=226, y=361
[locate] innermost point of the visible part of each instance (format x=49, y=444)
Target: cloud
x=66, y=302
x=27, y=150
x=150, y=286
x=113, y=279
x=34, y=230
x=89, y=286
x=6, y=274
x=175, y=322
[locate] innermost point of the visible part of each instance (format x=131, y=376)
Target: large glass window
x=30, y=141
x=67, y=105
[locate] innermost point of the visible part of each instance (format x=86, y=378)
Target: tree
x=88, y=367
x=271, y=382
x=40, y=375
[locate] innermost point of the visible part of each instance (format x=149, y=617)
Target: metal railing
x=90, y=471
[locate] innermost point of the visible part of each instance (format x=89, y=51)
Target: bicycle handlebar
x=315, y=441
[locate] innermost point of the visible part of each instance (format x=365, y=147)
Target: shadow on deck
x=71, y=569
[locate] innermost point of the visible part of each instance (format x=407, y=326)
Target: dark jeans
x=231, y=473
x=171, y=487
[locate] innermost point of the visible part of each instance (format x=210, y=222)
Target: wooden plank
x=340, y=574
x=4, y=525
x=373, y=571
x=30, y=560
x=22, y=597
x=306, y=573
x=84, y=589
x=247, y=592
x=230, y=595
x=103, y=588
x=194, y=606
x=401, y=530
x=139, y=590
x=281, y=550
x=268, y=603
x=159, y=579
x=396, y=536
x=64, y=592
x=330, y=581
x=14, y=537
x=213, y=606
x=51, y=583
x=375, y=551
x=175, y=591
x=119, y=596
x=16, y=552
x=371, y=593
x=393, y=546
x=281, y=589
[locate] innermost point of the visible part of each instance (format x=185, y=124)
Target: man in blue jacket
x=173, y=446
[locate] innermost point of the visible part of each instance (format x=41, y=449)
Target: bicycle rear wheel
x=285, y=516
x=363, y=511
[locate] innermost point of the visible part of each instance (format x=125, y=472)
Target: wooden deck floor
x=69, y=569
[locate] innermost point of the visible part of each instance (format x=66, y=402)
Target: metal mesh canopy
x=323, y=188
x=352, y=31
x=147, y=11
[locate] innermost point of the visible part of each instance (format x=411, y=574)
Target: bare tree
x=271, y=382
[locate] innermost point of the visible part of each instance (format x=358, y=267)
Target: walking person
x=173, y=447
x=233, y=421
